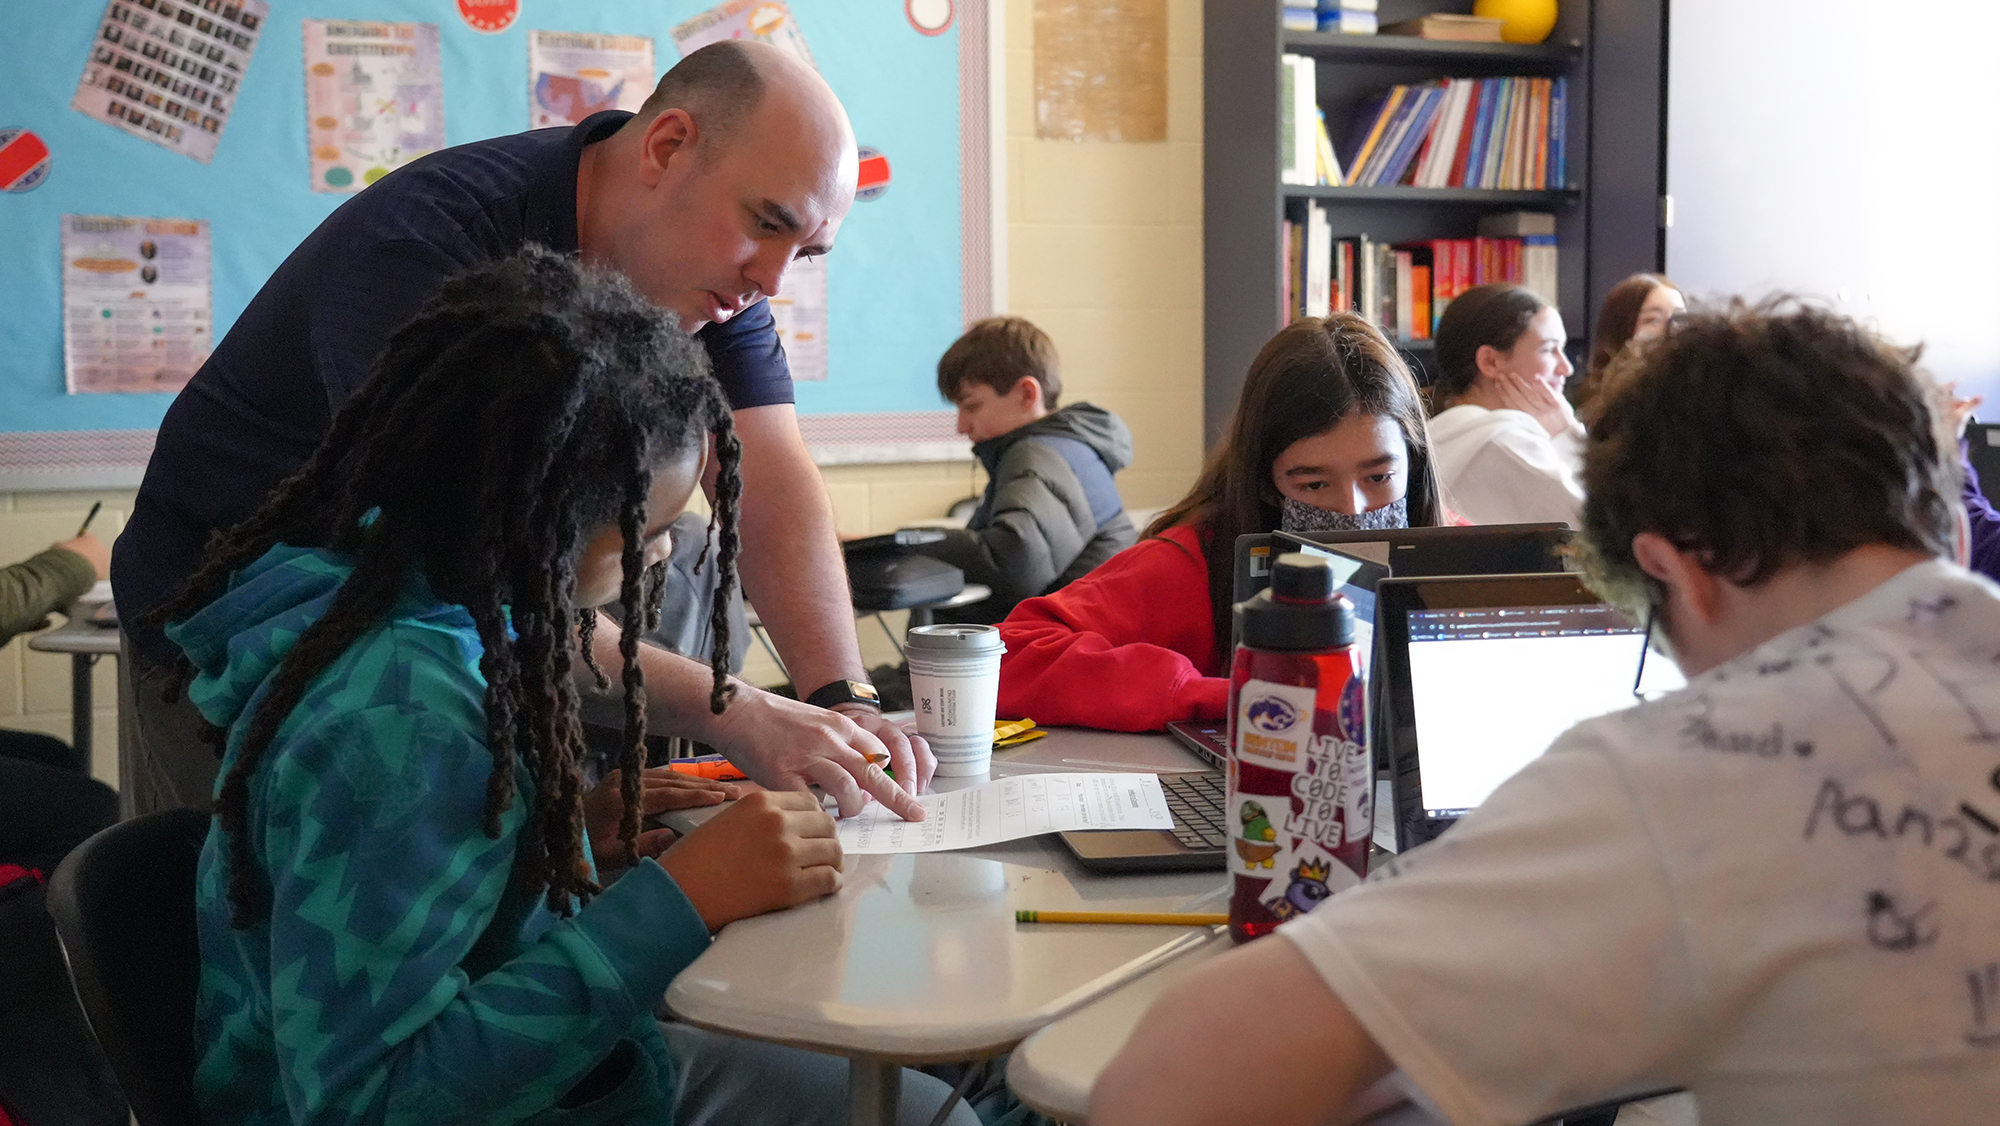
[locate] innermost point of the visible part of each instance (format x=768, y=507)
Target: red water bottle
x=1301, y=781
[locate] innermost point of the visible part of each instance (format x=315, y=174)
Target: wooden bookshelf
x=1610, y=51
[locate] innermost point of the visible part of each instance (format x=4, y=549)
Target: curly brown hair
x=1762, y=437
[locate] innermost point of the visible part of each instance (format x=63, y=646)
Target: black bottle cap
x=1301, y=612
x=1298, y=577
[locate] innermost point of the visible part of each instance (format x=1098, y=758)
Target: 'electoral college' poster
x=573, y=74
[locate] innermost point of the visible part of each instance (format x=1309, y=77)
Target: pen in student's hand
x=92, y=516
x=1150, y=918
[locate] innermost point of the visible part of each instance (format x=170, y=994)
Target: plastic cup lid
x=956, y=639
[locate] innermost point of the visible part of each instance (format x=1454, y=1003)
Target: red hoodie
x=1128, y=647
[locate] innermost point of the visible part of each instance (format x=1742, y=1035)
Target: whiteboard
x=1843, y=150
x=902, y=281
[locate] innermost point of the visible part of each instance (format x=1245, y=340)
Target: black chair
x=123, y=904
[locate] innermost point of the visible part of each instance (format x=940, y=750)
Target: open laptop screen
x=1481, y=674
x=1494, y=686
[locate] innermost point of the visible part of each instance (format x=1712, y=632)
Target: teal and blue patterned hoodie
x=402, y=976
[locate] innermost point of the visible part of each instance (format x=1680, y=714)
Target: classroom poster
x=167, y=70
x=136, y=307
x=573, y=74
x=374, y=99
x=800, y=307
x=768, y=21
x=800, y=310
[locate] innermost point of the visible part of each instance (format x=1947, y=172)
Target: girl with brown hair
x=1508, y=445
x=1637, y=308
x=1328, y=435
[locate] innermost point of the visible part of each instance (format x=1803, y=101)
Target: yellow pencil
x=1144, y=918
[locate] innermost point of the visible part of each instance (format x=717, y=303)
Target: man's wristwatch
x=845, y=692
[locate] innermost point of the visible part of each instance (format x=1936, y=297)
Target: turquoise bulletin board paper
x=894, y=278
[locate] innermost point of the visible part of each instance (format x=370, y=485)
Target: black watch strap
x=845, y=692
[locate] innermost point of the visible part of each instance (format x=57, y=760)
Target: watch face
x=845, y=692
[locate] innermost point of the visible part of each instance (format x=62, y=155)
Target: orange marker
x=715, y=770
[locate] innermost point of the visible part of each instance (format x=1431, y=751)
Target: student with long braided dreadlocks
x=403, y=913
x=741, y=164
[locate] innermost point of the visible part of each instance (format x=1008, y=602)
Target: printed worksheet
x=374, y=99
x=1007, y=809
x=136, y=306
x=573, y=74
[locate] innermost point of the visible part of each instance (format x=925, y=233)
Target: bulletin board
x=911, y=266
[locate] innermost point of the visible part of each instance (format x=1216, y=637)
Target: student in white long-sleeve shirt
x=1778, y=887
x=1507, y=446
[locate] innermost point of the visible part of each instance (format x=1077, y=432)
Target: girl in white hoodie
x=1506, y=446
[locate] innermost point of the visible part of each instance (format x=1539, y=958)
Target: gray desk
x=918, y=960
x=85, y=642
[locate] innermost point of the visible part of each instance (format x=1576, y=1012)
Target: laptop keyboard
x=1196, y=801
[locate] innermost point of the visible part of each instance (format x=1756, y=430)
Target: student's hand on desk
x=769, y=851
x=788, y=745
x=661, y=790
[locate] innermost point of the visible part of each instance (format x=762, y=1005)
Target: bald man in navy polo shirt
x=740, y=164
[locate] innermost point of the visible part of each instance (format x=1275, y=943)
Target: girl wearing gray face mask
x=1329, y=434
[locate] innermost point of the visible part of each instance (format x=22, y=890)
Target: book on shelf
x=1309, y=157
x=1505, y=133
x=1347, y=17
x=1347, y=21
x=1318, y=262
x=1298, y=117
x=1404, y=288
x=1299, y=17
x=1329, y=163
x=1446, y=26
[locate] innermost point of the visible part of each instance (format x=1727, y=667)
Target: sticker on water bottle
x=1274, y=723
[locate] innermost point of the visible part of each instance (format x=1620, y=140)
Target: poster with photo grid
x=167, y=71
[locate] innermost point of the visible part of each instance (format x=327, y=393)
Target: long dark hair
x=522, y=410
x=1617, y=319
x=1308, y=379
x=1492, y=315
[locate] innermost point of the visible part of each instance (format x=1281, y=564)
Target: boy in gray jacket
x=1051, y=511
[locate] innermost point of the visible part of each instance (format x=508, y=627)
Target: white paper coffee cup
x=955, y=682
